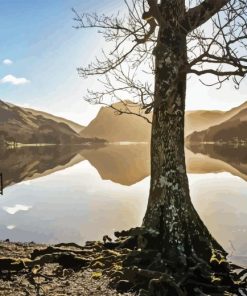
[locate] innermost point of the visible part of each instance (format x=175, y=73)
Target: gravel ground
x=50, y=279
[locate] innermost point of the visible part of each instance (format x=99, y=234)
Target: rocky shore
x=130, y=265
x=59, y=270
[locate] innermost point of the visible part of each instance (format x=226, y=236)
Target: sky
x=40, y=52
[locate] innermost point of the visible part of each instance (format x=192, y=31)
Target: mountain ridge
x=231, y=130
x=24, y=125
x=109, y=125
x=116, y=128
x=28, y=126
x=199, y=120
x=74, y=125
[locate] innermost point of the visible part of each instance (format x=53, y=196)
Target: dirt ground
x=51, y=278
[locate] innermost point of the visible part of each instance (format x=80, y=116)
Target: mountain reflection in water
x=207, y=158
x=123, y=164
x=74, y=193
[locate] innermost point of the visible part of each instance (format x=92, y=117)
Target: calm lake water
x=62, y=194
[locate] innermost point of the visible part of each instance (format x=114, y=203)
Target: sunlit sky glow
x=40, y=51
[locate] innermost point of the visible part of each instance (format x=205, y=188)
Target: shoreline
x=216, y=143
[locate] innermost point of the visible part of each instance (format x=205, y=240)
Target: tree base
x=141, y=271
x=153, y=275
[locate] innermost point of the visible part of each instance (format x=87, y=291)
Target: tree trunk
x=170, y=211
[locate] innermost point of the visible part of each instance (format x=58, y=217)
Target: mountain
x=27, y=126
x=119, y=128
x=200, y=120
x=75, y=126
x=231, y=130
x=109, y=125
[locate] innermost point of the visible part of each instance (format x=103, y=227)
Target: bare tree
x=155, y=45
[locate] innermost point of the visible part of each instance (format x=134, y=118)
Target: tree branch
x=200, y=14
x=126, y=69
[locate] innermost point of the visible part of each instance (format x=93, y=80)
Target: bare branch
x=200, y=14
x=222, y=50
x=126, y=69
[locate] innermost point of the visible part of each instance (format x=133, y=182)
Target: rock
x=96, y=275
x=68, y=272
x=143, y=292
x=106, y=238
x=123, y=286
x=97, y=265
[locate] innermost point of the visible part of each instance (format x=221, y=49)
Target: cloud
x=16, y=209
x=10, y=227
x=14, y=80
x=7, y=62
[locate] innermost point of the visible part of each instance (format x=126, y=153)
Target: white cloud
x=14, y=80
x=16, y=209
x=10, y=227
x=7, y=62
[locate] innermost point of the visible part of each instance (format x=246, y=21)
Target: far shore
x=19, y=145
x=239, y=143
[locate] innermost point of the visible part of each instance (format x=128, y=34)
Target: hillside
x=119, y=128
x=200, y=120
x=27, y=126
x=116, y=128
x=231, y=130
x=75, y=126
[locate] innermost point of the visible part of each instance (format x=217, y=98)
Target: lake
x=69, y=193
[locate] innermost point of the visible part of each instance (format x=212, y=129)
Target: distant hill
x=231, y=130
x=27, y=126
x=119, y=128
x=75, y=126
x=116, y=128
x=199, y=120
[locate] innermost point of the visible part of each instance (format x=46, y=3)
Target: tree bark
x=170, y=211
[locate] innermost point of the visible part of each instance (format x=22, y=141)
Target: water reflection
x=28, y=163
x=70, y=205
x=206, y=158
x=221, y=201
x=123, y=164
x=77, y=193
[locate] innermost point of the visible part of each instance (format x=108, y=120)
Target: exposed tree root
x=153, y=275
x=143, y=271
